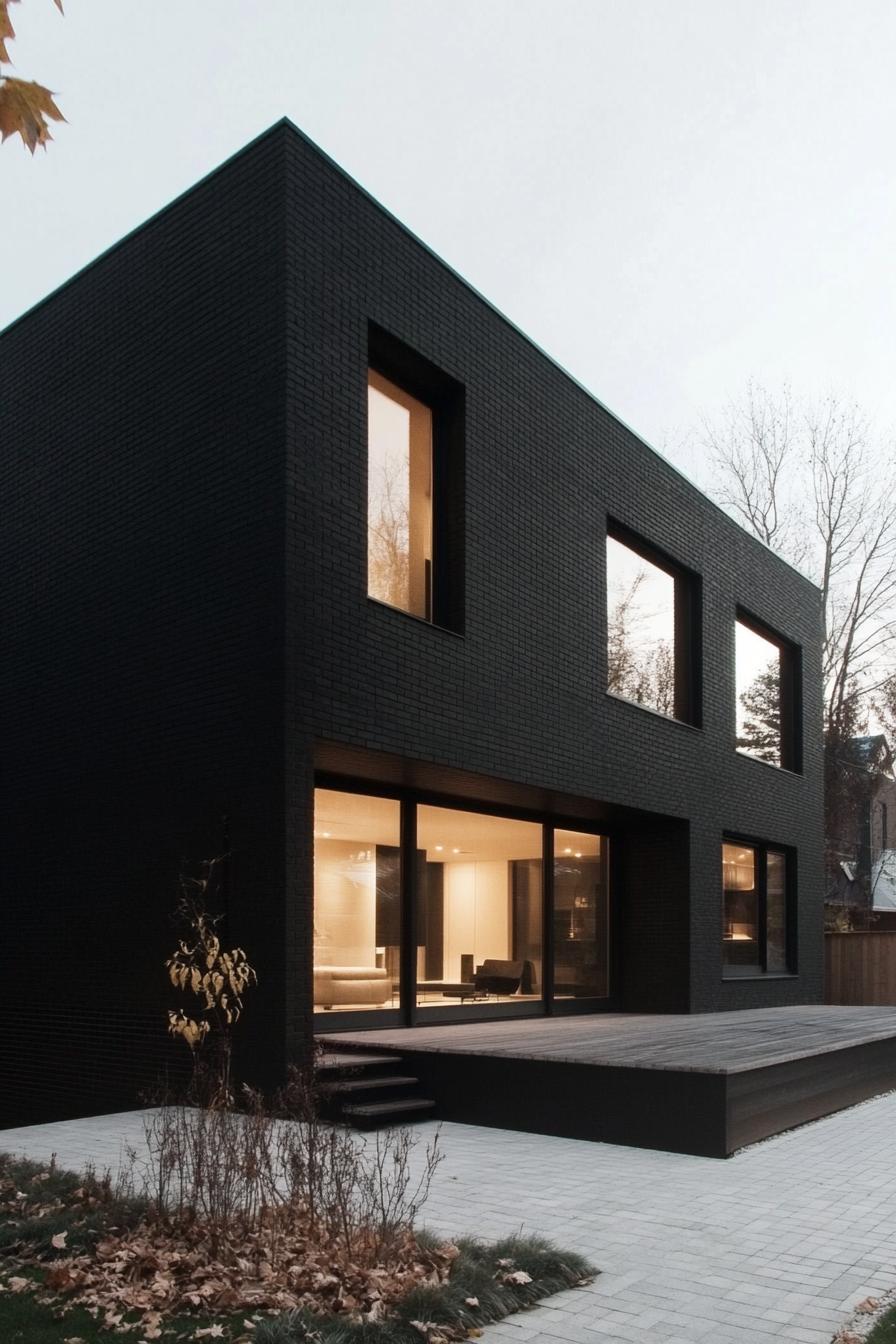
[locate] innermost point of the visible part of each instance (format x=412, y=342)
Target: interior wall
x=345, y=904
x=477, y=913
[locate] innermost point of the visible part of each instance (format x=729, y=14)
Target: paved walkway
x=779, y=1242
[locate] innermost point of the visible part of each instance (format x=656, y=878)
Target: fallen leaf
x=870, y=1304
x=58, y=1242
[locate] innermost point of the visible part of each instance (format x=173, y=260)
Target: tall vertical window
x=357, y=900
x=651, y=630
x=581, y=916
x=755, y=910
x=399, y=497
x=767, y=695
x=479, y=911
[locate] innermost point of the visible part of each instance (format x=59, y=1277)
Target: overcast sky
x=669, y=196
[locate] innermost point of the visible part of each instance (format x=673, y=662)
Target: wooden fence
x=860, y=968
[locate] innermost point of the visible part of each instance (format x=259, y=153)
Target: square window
x=767, y=695
x=652, y=628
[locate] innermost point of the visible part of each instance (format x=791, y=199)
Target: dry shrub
x=284, y=1170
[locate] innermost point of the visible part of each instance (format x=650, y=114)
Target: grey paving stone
x=779, y=1243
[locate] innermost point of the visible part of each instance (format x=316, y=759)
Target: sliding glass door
x=479, y=909
x=440, y=911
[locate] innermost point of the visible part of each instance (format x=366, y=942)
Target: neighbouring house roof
x=883, y=881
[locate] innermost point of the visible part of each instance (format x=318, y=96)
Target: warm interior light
x=567, y=851
x=439, y=848
x=455, y=851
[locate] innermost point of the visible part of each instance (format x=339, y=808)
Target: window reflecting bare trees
x=640, y=629
x=399, y=498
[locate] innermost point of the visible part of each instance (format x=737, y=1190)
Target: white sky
x=669, y=196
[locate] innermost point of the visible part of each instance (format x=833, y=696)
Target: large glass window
x=755, y=910
x=651, y=630
x=357, y=901
x=479, y=913
x=767, y=693
x=581, y=928
x=399, y=497
x=471, y=886
x=758, y=694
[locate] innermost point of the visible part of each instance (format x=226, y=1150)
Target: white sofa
x=370, y=985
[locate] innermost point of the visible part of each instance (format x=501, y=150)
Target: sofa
x=369, y=985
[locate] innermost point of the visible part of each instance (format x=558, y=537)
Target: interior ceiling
x=447, y=834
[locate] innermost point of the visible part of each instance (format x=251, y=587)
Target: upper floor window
x=651, y=628
x=399, y=497
x=766, y=676
x=415, y=483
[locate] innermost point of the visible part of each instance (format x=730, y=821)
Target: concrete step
x=387, y=1110
x=333, y=1061
x=347, y=1086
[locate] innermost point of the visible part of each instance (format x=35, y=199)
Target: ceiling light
x=455, y=851
x=439, y=848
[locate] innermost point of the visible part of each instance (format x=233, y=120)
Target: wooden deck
x=707, y=1083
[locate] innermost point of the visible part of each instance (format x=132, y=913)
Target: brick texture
x=185, y=620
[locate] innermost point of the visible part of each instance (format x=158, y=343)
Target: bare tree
x=388, y=535
x=810, y=482
x=639, y=667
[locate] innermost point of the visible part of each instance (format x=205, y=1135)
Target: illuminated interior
x=479, y=911
x=479, y=914
x=357, y=912
x=399, y=498
x=740, y=933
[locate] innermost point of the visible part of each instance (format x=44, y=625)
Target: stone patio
x=779, y=1242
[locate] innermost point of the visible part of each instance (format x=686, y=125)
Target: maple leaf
x=6, y=31
x=24, y=109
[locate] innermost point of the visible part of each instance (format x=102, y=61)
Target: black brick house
x=286, y=504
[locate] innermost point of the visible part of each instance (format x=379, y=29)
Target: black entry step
x=329, y=1062
x=338, y=1086
x=381, y=1110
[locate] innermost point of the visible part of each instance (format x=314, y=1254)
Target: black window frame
x=445, y=398
x=687, y=617
x=762, y=849
x=791, y=702
x=410, y=1013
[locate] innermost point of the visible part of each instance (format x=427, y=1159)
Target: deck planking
x=705, y=1084
x=707, y=1042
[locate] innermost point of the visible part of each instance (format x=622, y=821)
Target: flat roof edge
x=285, y=123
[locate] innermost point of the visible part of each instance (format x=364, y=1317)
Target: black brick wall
x=142, y=616
x=184, y=617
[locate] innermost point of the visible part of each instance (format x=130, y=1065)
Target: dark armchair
x=504, y=977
